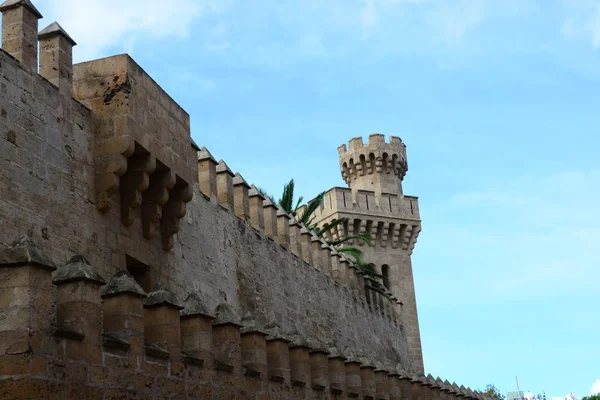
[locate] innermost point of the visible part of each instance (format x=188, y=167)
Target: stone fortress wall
x=225, y=295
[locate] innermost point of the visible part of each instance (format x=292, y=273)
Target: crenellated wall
x=182, y=280
x=112, y=340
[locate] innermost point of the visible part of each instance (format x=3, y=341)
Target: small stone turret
x=376, y=166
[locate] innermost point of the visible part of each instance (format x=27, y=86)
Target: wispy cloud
x=453, y=20
x=530, y=237
x=583, y=21
x=98, y=25
x=448, y=21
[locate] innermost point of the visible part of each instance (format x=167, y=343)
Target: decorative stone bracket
x=145, y=184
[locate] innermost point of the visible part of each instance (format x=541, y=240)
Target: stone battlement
x=113, y=340
x=182, y=280
x=376, y=140
x=391, y=220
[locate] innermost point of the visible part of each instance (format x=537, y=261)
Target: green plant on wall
x=292, y=206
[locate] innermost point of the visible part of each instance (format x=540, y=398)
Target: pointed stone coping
x=162, y=297
x=334, y=354
x=239, y=180
x=403, y=375
x=54, y=29
x=250, y=326
x=379, y=367
x=204, y=154
x=226, y=316
x=439, y=382
x=23, y=251
x=299, y=342
x=276, y=334
x=454, y=388
x=432, y=382
x=224, y=168
x=269, y=203
x=281, y=213
x=463, y=390
x=254, y=192
x=122, y=283
x=393, y=373
x=344, y=259
x=324, y=244
x=317, y=347
x=351, y=359
x=352, y=265
x=77, y=269
x=366, y=363
x=415, y=379
x=315, y=238
x=448, y=386
x=194, y=306
x=319, y=350
x=294, y=222
x=10, y=4
x=304, y=230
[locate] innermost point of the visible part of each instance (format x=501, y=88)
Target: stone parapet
x=81, y=365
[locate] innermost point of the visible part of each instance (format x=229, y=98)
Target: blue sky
x=498, y=104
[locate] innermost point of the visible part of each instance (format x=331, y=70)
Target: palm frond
x=353, y=252
x=287, y=197
x=330, y=225
x=307, y=217
x=364, y=237
x=297, y=206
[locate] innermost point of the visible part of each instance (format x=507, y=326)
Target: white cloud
x=528, y=215
x=583, y=21
x=529, y=396
x=595, y=388
x=97, y=25
x=453, y=20
x=448, y=20
x=368, y=14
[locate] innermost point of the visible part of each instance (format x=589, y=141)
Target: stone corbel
x=110, y=165
x=133, y=183
x=153, y=200
x=173, y=212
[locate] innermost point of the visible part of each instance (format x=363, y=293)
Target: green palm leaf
x=361, y=237
x=307, y=217
x=287, y=198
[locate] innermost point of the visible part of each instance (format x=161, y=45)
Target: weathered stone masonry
x=133, y=265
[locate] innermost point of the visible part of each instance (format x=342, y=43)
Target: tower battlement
x=378, y=166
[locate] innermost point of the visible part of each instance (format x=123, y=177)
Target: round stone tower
x=376, y=166
x=375, y=204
